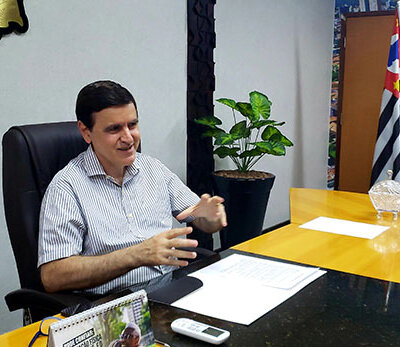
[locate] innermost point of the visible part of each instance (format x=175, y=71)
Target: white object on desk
x=200, y=331
x=225, y=294
x=345, y=227
x=270, y=273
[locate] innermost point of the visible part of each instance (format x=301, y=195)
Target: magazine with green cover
x=121, y=322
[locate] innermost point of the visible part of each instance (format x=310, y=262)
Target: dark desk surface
x=338, y=309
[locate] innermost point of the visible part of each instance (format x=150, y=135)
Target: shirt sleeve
x=181, y=197
x=61, y=225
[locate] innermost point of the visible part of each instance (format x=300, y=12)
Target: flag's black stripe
x=385, y=154
x=386, y=114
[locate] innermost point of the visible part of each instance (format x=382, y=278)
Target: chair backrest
x=32, y=155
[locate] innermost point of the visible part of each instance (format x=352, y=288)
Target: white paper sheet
x=261, y=271
x=345, y=227
x=237, y=288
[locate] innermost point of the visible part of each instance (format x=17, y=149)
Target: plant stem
x=256, y=160
x=241, y=145
x=248, y=159
x=234, y=116
x=235, y=160
x=258, y=131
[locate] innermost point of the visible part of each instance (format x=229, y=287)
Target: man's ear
x=85, y=132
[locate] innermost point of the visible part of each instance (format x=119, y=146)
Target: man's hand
x=209, y=213
x=78, y=272
x=161, y=248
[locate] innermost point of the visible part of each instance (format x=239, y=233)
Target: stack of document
x=242, y=288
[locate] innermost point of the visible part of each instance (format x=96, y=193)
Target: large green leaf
x=282, y=139
x=268, y=132
x=210, y=121
x=251, y=153
x=260, y=123
x=273, y=134
x=246, y=110
x=271, y=147
x=239, y=130
x=212, y=132
x=260, y=104
x=224, y=151
x=228, y=102
x=223, y=139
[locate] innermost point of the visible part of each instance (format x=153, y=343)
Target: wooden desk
x=22, y=337
x=338, y=309
x=377, y=258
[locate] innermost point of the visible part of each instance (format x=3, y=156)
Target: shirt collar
x=94, y=168
x=132, y=169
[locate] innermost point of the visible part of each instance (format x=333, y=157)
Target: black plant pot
x=245, y=205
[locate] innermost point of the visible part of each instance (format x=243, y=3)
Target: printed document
x=345, y=227
x=242, y=288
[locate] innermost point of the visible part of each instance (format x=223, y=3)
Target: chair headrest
x=51, y=147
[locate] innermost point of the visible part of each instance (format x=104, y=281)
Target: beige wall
x=282, y=48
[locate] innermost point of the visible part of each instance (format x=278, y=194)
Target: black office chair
x=32, y=155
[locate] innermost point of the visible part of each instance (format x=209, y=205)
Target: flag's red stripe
x=392, y=83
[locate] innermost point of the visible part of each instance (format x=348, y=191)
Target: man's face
x=115, y=137
x=129, y=339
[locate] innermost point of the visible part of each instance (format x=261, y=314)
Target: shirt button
x=129, y=215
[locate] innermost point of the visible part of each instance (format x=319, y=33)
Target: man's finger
x=176, y=262
x=217, y=199
x=183, y=254
x=174, y=233
x=223, y=216
x=186, y=213
x=179, y=242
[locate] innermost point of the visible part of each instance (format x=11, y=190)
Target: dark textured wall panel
x=200, y=89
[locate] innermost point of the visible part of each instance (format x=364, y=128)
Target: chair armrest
x=53, y=302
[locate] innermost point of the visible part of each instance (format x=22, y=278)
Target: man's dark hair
x=99, y=95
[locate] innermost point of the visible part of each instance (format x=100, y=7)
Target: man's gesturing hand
x=161, y=248
x=210, y=208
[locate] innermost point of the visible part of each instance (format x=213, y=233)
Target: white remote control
x=200, y=331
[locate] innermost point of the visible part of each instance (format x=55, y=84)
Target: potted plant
x=246, y=192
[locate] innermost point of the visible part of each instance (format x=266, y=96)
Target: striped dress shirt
x=85, y=212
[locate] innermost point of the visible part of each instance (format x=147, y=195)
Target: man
x=105, y=221
x=130, y=337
